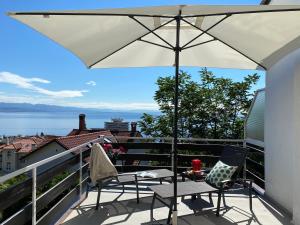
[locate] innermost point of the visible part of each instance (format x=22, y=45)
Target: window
x=8, y=154
x=8, y=166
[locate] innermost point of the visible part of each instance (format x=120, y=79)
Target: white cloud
x=91, y=83
x=51, y=97
x=116, y=105
x=95, y=105
x=29, y=84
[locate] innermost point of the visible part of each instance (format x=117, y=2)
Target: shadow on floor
x=122, y=209
x=201, y=212
x=207, y=217
x=204, y=214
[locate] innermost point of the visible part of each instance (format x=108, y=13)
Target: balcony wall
x=282, y=132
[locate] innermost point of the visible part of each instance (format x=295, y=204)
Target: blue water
x=58, y=123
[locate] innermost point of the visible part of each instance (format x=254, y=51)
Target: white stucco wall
x=282, y=133
x=46, y=152
x=282, y=160
x=12, y=159
x=296, y=159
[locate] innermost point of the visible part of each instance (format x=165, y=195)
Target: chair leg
x=224, y=202
x=170, y=211
x=123, y=188
x=87, y=190
x=160, y=180
x=193, y=197
x=250, y=195
x=219, y=203
x=137, y=190
x=210, y=198
x=98, y=196
x=152, y=207
x=198, y=196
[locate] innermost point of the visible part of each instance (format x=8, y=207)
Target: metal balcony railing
x=49, y=206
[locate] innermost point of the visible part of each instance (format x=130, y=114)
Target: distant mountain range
x=26, y=107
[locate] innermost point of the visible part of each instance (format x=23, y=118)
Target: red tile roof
x=86, y=131
x=2, y=146
x=69, y=142
x=72, y=141
x=23, y=145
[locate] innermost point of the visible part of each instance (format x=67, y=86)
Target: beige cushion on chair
x=100, y=165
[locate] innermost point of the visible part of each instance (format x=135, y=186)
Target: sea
x=55, y=123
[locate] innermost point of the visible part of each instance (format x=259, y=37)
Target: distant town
x=19, y=151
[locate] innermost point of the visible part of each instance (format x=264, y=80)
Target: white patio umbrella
x=244, y=37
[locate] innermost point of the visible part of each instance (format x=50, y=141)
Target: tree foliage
x=213, y=107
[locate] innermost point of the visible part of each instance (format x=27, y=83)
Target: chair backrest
x=234, y=156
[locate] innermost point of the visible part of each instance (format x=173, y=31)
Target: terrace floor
x=117, y=208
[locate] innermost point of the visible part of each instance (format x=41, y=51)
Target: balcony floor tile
x=117, y=208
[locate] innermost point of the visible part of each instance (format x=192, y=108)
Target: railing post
x=245, y=163
x=34, y=196
x=171, y=154
x=80, y=175
x=101, y=139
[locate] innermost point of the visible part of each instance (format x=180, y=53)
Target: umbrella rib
x=85, y=14
x=151, y=31
x=119, y=49
x=228, y=45
x=189, y=42
x=152, y=43
x=204, y=42
x=245, y=12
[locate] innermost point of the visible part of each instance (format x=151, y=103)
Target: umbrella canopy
x=244, y=37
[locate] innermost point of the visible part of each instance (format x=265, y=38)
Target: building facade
x=11, y=153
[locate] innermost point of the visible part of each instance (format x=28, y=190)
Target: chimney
x=82, y=125
x=7, y=140
x=133, y=126
x=33, y=146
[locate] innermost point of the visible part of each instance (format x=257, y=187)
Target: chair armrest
x=126, y=174
x=246, y=182
x=249, y=180
x=226, y=184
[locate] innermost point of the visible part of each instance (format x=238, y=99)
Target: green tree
x=212, y=107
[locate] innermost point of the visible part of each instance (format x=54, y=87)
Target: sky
x=34, y=69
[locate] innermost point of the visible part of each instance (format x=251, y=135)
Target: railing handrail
x=82, y=147
x=179, y=139
x=101, y=138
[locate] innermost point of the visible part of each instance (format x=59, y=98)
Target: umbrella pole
x=175, y=131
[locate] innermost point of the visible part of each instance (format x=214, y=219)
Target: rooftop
x=23, y=145
x=117, y=208
x=69, y=142
x=72, y=141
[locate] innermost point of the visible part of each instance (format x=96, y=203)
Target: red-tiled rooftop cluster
x=23, y=145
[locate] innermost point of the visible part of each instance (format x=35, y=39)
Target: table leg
x=152, y=207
